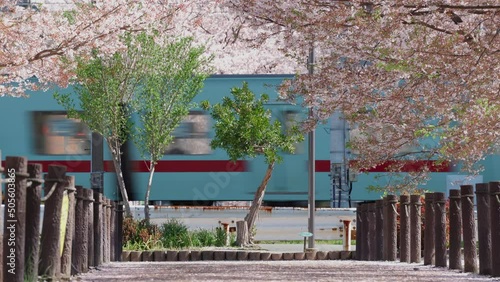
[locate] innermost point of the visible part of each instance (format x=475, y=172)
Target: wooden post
x=484, y=228
x=112, y=231
x=107, y=212
x=439, y=229
x=372, y=229
x=90, y=235
x=469, y=229
x=98, y=234
x=359, y=232
x=455, y=256
x=50, y=254
x=404, y=216
x=70, y=228
x=495, y=227
x=415, y=229
x=1, y=219
x=365, y=227
x=119, y=231
x=429, y=248
x=14, y=219
x=80, y=251
x=380, y=227
x=386, y=229
x=32, y=242
x=392, y=232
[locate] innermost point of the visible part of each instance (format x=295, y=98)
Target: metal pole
x=312, y=166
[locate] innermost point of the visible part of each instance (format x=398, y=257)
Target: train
x=191, y=172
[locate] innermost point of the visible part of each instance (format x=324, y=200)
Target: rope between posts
x=498, y=198
x=470, y=201
x=394, y=208
x=459, y=208
x=443, y=208
x=52, y=189
x=407, y=210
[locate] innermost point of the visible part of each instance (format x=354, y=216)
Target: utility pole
x=312, y=166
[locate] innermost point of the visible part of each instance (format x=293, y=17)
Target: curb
x=241, y=255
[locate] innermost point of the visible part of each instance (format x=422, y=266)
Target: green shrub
x=174, y=234
x=220, y=237
x=140, y=235
x=204, y=237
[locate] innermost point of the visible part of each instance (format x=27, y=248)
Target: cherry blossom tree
x=418, y=79
x=42, y=41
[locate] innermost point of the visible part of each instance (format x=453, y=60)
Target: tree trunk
x=148, y=191
x=241, y=233
x=119, y=178
x=257, y=202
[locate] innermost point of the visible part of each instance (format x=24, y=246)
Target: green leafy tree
x=105, y=88
x=176, y=74
x=243, y=127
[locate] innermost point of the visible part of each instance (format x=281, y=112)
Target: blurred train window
x=191, y=137
x=56, y=134
x=291, y=118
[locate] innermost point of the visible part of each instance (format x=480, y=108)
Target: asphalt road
x=274, y=271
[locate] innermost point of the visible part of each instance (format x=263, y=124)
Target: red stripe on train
x=406, y=166
x=228, y=166
x=162, y=166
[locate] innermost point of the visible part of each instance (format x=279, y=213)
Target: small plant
x=141, y=235
x=220, y=237
x=205, y=237
x=174, y=234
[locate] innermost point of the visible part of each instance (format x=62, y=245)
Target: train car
x=191, y=173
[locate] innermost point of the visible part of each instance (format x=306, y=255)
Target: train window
x=191, y=137
x=292, y=118
x=56, y=134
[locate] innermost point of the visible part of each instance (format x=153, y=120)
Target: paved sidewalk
x=332, y=270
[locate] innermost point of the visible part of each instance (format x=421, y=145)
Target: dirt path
x=275, y=271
